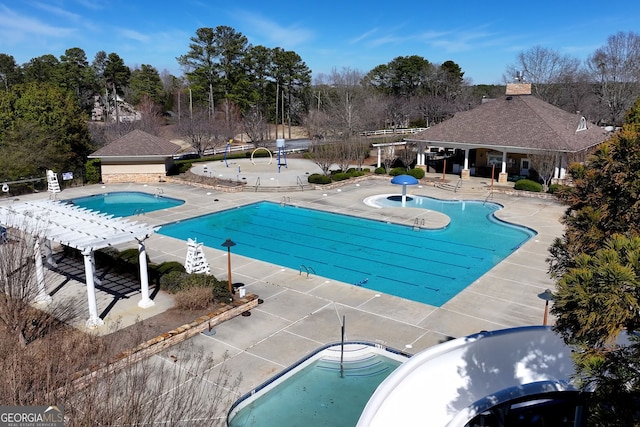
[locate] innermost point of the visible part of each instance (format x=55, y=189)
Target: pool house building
x=510, y=136
x=136, y=157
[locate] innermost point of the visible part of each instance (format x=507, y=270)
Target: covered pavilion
x=512, y=133
x=85, y=230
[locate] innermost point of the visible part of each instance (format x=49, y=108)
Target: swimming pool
x=316, y=392
x=126, y=203
x=428, y=266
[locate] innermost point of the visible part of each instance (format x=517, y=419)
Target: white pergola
x=82, y=229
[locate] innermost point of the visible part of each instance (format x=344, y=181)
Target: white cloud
x=58, y=11
x=134, y=35
x=275, y=34
x=16, y=26
x=363, y=36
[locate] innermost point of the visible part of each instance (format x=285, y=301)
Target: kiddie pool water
x=428, y=266
x=315, y=393
x=126, y=203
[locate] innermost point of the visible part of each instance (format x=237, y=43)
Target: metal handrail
x=299, y=182
x=306, y=269
x=458, y=185
x=489, y=196
x=257, y=184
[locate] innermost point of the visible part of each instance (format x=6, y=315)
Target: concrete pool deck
x=301, y=313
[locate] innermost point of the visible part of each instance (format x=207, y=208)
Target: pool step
x=272, y=189
x=365, y=367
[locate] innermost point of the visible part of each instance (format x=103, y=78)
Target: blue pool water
x=318, y=395
x=428, y=266
x=126, y=203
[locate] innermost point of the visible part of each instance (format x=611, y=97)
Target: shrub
x=553, y=188
x=528, y=185
x=577, y=170
x=317, y=178
x=417, y=173
x=130, y=256
x=169, y=266
x=172, y=281
x=340, y=176
x=380, y=171
x=193, y=299
x=397, y=171
x=92, y=171
x=176, y=281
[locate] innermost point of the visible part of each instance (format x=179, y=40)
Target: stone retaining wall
x=169, y=339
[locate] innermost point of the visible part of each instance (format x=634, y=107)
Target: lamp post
x=228, y=244
x=547, y=296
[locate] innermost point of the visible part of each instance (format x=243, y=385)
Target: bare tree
x=545, y=69
x=180, y=387
x=406, y=155
x=22, y=284
x=388, y=157
x=228, y=124
x=361, y=148
x=616, y=68
x=44, y=360
x=256, y=127
x=202, y=131
x=343, y=101
x=544, y=163
x=323, y=154
x=151, y=116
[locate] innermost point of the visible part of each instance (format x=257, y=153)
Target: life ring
x=5, y=188
x=262, y=148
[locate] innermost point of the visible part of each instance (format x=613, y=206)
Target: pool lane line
x=378, y=231
x=315, y=249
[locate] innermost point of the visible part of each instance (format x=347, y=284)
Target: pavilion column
x=94, y=320
x=42, y=295
x=379, y=156
x=502, y=178
x=466, y=173
x=563, y=166
x=146, y=301
x=420, y=157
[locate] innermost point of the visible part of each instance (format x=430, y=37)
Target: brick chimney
x=518, y=89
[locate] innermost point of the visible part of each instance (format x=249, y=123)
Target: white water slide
x=451, y=383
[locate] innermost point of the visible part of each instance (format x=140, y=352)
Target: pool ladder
x=418, y=224
x=489, y=196
x=286, y=200
x=306, y=269
x=139, y=211
x=158, y=192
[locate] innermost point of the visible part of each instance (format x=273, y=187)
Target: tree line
x=231, y=87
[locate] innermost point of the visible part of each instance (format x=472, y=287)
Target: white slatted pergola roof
x=82, y=229
x=72, y=226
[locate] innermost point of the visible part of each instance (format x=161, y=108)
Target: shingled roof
x=515, y=122
x=137, y=144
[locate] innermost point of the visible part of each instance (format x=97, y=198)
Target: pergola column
x=146, y=301
x=379, y=156
x=49, y=253
x=42, y=295
x=94, y=320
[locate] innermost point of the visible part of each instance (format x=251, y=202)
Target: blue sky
x=482, y=37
